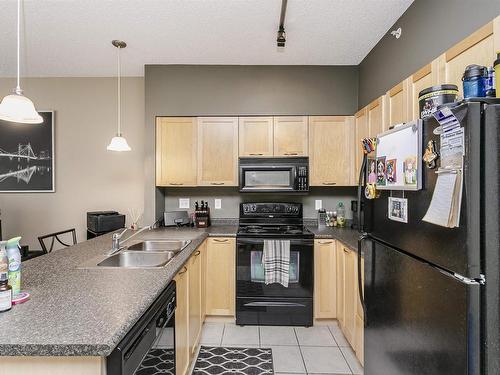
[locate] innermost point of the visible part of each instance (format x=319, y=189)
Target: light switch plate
x=183, y=202
x=218, y=203
x=318, y=204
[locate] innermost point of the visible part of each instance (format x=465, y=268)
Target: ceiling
x=72, y=37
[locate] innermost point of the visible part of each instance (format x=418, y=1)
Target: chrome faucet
x=116, y=244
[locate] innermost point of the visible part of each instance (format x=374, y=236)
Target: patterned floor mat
x=157, y=361
x=248, y=361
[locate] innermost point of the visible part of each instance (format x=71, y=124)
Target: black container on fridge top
x=432, y=97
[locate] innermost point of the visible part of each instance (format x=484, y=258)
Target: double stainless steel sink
x=145, y=254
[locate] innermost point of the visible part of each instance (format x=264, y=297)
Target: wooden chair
x=54, y=237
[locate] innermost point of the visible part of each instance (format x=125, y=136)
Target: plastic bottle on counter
x=341, y=215
x=14, y=256
x=5, y=292
x=4, y=260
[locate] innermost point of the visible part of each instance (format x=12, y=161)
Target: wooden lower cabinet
x=349, y=260
x=325, y=278
x=195, y=286
x=220, y=276
x=360, y=328
x=340, y=284
x=182, y=352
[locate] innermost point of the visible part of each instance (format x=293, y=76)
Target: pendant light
x=119, y=143
x=16, y=107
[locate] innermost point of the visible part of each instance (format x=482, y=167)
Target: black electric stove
x=273, y=304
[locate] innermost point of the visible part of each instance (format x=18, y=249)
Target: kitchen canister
x=474, y=81
x=432, y=97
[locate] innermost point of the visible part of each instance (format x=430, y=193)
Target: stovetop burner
x=273, y=229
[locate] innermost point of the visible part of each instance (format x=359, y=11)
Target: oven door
x=250, y=272
x=267, y=178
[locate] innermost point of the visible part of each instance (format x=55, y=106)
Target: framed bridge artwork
x=27, y=156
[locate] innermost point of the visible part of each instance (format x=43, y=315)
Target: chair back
x=56, y=237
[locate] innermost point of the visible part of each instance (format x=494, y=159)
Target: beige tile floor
x=296, y=350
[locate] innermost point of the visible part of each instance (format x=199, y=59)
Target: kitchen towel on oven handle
x=276, y=262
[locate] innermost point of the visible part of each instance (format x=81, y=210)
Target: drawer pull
x=346, y=250
x=184, y=270
x=197, y=253
x=217, y=183
x=219, y=240
x=256, y=154
x=325, y=242
x=329, y=183
x=291, y=153
x=175, y=183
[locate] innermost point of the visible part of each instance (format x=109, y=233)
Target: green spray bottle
x=14, y=256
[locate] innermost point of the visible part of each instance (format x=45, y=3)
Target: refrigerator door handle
x=480, y=281
x=360, y=278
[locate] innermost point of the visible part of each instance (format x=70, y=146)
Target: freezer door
x=456, y=249
x=418, y=319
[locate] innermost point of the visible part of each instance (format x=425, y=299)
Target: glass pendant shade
x=118, y=143
x=19, y=108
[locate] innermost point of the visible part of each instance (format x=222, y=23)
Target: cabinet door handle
x=291, y=153
x=217, y=183
x=329, y=183
x=184, y=270
x=176, y=183
x=325, y=242
x=345, y=250
x=218, y=240
x=256, y=154
x=197, y=253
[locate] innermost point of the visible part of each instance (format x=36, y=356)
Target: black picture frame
x=27, y=156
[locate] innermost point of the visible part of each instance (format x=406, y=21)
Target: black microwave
x=270, y=175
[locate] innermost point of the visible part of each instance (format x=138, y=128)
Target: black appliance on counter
x=273, y=304
x=273, y=175
x=432, y=293
x=151, y=341
x=102, y=222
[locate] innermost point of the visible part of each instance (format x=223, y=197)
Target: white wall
x=88, y=177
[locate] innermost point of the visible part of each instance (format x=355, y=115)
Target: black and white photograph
x=398, y=209
x=27, y=156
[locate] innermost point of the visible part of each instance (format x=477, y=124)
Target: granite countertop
x=87, y=311
x=347, y=236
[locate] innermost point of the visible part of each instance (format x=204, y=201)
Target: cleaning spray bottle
x=4, y=261
x=14, y=256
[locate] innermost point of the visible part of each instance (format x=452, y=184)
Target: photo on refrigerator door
x=398, y=209
x=371, y=171
x=381, y=181
x=390, y=171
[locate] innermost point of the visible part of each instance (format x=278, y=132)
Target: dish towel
x=276, y=262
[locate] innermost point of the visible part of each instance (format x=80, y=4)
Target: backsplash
x=231, y=199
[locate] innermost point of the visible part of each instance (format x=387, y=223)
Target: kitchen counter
x=347, y=236
x=86, y=311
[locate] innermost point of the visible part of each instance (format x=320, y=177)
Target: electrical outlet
x=183, y=202
x=218, y=203
x=318, y=204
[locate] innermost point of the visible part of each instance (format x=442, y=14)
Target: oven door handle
x=260, y=241
x=273, y=304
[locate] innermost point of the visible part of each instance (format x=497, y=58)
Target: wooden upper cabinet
x=424, y=78
x=218, y=151
x=375, y=113
x=256, y=136
x=477, y=48
x=396, y=106
x=362, y=131
x=325, y=279
x=290, y=136
x=331, y=150
x=176, y=152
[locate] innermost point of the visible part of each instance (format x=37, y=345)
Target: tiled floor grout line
x=348, y=365
x=223, y=331
x=334, y=339
x=300, y=350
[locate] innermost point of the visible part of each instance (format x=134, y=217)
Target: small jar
x=474, y=80
x=341, y=215
x=5, y=293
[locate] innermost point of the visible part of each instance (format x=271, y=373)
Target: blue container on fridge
x=475, y=79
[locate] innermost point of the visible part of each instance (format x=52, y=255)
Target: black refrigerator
x=431, y=294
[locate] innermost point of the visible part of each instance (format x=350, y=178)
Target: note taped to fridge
x=444, y=209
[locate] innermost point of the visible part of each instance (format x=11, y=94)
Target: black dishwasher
x=149, y=347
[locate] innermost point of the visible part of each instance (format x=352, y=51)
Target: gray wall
x=430, y=27
x=231, y=199
x=195, y=90
x=88, y=177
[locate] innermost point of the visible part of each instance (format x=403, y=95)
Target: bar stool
x=54, y=237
